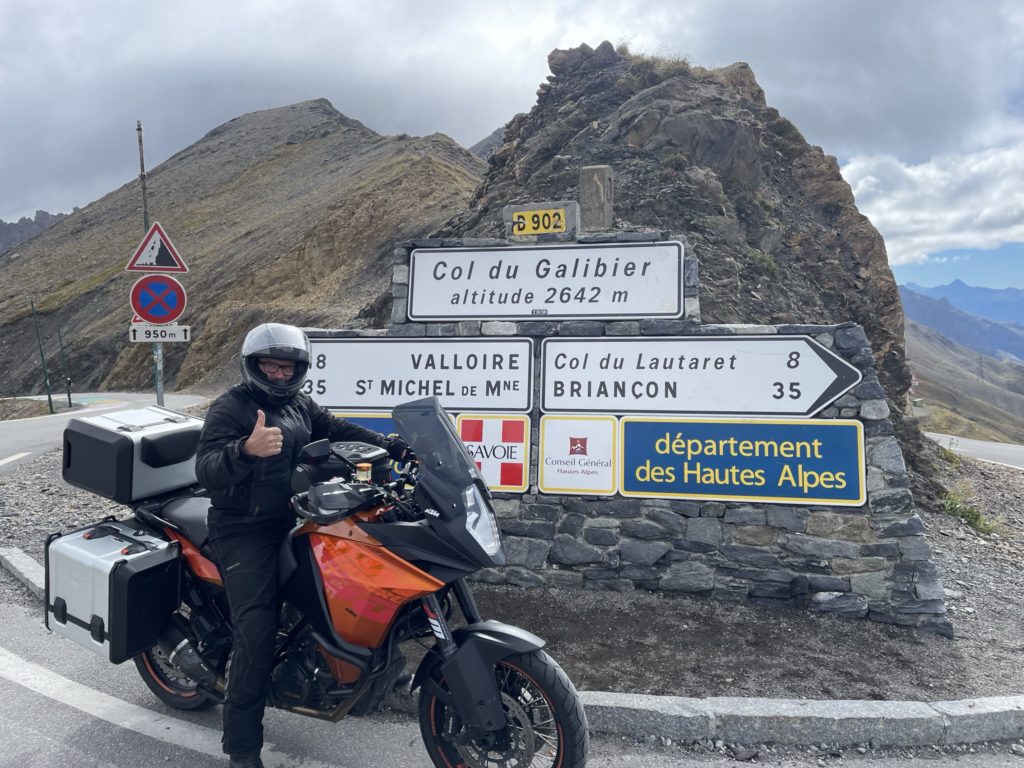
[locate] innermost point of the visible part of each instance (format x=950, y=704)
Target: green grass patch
x=952, y=458
x=71, y=290
x=957, y=503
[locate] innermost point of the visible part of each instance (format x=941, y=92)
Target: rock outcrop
x=699, y=154
x=14, y=232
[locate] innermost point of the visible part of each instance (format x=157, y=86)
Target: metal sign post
x=39, y=338
x=64, y=365
x=158, y=349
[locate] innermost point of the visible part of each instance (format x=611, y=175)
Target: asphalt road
x=62, y=705
x=23, y=439
x=1000, y=453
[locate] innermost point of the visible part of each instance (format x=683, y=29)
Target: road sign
x=618, y=280
x=373, y=374
x=500, y=447
x=158, y=299
x=156, y=253
x=578, y=455
x=151, y=333
x=815, y=461
x=720, y=375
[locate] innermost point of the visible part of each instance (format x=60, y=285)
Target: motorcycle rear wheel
x=547, y=725
x=167, y=683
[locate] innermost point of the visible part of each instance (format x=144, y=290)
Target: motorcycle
x=374, y=563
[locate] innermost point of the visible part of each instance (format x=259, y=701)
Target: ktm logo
x=577, y=446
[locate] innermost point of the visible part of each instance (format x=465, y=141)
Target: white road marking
x=197, y=738
x=1002, y=464
x=15, y=457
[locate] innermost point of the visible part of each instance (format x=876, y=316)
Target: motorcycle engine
x=302, y=680
x=291, y=683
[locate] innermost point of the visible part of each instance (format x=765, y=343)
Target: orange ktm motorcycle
x=372, y=564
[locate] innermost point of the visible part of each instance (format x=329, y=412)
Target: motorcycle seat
x=189, y=515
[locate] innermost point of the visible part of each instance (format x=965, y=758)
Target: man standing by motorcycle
x=249, y=446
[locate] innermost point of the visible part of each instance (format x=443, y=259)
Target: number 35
x=321, y=386
x=780, y=390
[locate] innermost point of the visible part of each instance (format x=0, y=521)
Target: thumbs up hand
x=264, y=441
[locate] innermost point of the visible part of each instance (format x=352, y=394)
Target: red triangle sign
x=156, y=253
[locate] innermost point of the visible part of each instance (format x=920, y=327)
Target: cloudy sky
x=922, y=102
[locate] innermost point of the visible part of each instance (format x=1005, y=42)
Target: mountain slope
x=287, y=214
x=978, y=333
x=966, y=393
x=1003, y=304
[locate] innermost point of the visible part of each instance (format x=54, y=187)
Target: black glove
x=398, y=449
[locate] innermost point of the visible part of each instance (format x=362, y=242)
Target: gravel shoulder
x=648, y=643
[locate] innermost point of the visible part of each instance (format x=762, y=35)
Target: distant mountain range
x=1004, y=304
x=1001, y=340
x=969, y=369
x=14, y=232
x=964, y=392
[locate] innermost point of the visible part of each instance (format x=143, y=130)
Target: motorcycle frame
x=463, y=659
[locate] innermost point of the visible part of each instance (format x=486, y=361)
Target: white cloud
x=970, y=200
x=862, y=78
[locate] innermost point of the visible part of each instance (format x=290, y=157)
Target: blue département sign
x=766, y=460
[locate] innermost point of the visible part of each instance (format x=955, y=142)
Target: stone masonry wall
x=867, y=562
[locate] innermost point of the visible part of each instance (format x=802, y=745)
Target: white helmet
x=284, y=342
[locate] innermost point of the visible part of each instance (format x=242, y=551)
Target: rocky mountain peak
x=700, y=155
x=572, y=62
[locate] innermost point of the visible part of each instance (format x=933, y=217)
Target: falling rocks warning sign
x=500, y=446
x=156, y=253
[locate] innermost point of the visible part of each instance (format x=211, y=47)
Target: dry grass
x=947, y=422
x=646, y=70
x=17, y=408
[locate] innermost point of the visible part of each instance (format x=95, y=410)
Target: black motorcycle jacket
x=261, y=487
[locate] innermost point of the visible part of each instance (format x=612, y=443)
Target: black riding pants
x=247, y=554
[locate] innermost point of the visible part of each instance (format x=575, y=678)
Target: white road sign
x=152, y=333
x=721, y=375
x=618, y=280
x=578, y=455
x=373, y=374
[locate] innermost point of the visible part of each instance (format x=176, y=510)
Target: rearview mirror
x=315, y=452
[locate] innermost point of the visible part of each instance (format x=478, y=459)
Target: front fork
x=467, y=670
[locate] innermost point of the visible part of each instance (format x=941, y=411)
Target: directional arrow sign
x=719, y=375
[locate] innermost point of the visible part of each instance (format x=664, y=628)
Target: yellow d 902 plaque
x=538, y=222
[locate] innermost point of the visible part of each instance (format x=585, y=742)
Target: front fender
x=493, y=640
x=468, y=673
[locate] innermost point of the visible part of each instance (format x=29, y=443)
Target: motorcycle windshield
x=444, y=461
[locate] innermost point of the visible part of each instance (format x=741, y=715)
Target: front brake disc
x=521, y=742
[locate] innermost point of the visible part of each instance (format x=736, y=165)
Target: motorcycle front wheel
x=547, y=727
x=167, y=683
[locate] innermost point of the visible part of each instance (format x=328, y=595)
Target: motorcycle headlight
x=480, y=520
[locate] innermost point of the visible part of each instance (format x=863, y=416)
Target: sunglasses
x=268, y=368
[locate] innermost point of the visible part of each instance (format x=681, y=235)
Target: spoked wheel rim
x=532, y=739
x=167, y=675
